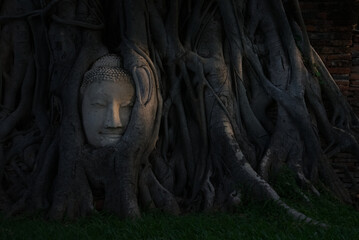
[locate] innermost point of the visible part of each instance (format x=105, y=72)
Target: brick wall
x=330, y=28
x=346, y=165
x=329, y=25
x=353, y=91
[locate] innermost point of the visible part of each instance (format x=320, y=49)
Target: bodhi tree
x=175, y=105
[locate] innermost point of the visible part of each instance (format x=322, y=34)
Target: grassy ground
x=251, y=221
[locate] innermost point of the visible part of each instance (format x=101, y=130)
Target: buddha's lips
x=112, y=133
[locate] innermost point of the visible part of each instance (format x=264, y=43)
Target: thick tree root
x=242, y=97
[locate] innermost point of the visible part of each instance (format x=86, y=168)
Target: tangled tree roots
x=227, y=93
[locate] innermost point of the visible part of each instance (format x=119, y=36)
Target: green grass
x=252, y=220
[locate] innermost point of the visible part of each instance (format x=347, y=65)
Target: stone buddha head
x=108, y=95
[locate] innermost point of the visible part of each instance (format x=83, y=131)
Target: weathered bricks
x=330, y=29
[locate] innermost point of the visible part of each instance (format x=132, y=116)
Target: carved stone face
x=106, y=111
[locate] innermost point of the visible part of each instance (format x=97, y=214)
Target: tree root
x=218, y=75
x=243, y=174
x=9, y=123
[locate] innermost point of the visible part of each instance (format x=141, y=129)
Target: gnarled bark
x=227, y=93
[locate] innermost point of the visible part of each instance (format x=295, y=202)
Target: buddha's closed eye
x=99, y=104
x=127, y=104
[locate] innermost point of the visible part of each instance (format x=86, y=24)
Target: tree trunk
x=226, y=94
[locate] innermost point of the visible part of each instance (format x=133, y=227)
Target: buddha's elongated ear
x=143, y=79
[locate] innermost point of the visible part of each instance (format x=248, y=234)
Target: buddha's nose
x=113, y=119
